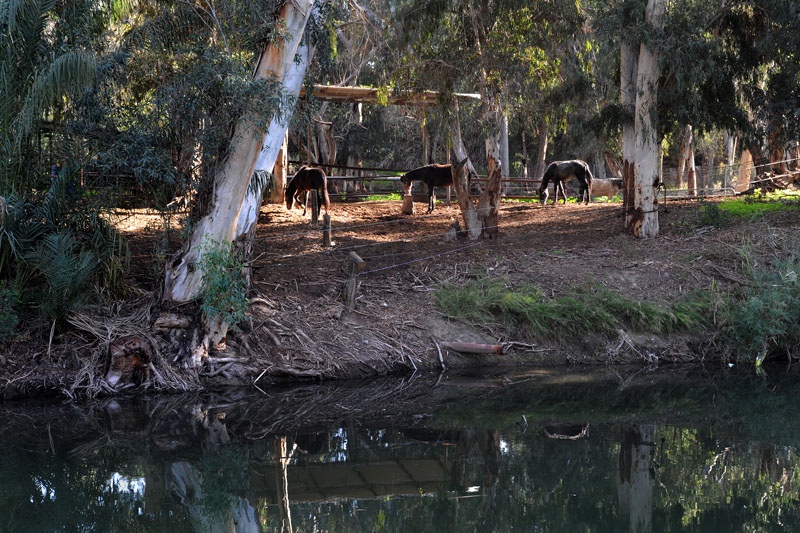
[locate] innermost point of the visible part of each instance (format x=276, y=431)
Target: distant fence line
x=716, y=180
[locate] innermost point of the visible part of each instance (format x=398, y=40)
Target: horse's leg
x=559, y=187
x=543, y=194
x=431, y=199
x=305, y=204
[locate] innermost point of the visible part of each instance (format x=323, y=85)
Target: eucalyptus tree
x=719, y=65
x=215, y=229
x=531, y=61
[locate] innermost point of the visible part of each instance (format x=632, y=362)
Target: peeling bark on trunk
x=468, y=212
x=691, y=177
x=459, y=149
x=280, y=172
x=642, y=218
x=746, y=168
x=292, y=78
x=541, y=150
x=489, y=202
x=730, y=156
x=684, y=157
x=483, y=220
x=220, y=226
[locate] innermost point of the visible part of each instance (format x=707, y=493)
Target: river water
x=565, y=449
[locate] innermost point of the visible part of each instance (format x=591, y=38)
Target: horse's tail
x=588, y=177
x=324, y=187
x=288, y=194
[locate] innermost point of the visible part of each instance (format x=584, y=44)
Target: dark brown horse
x=308, y=179
x=561, y=171
x=432, y=176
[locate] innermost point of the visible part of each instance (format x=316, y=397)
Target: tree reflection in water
x=413, y=455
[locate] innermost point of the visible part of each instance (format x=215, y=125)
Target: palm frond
x=67, y=271
x=68, y=72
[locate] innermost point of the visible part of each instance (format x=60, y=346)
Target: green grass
x=724, y=213
x=384, y=197
x=583, y=311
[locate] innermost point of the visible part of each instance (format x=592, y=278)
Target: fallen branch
x=468, y=347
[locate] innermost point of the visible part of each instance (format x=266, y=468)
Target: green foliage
x=58, y=253
x=724, y=213
x=711, y=214
x=395, y=196
x=584, y=311
x=42, y=65
x=224, y=291
x=224, y=474
x=9, y=317
x=66, y=271
x=764, y=320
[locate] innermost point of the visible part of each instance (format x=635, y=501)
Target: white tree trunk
x=292, y=79
x=504, y=155
x=629, y=66
x=636, y=466
x=730, y=157
x=642, y=219
x=220, y=226
x=541, y=150
x=684, y=156
x=459, y=149
x=746, y=168
x=691, y=176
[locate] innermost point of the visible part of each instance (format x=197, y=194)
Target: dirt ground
x=395, y=323
x=300, y=327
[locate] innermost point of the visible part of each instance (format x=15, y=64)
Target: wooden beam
x=369, y=95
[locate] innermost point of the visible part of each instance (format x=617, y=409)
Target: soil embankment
x=300, y=327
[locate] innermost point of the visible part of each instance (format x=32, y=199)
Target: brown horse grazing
x=306, y=180
x=561, y=171
x=431, y=175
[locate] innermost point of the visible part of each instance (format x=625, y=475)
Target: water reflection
x=550, y=450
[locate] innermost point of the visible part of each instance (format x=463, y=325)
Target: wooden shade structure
x=370, y=95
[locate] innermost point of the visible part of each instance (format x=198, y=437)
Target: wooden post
x=408, y=201
x=352, y=280
x=280, y=172
x=326, y=231
x=314, y=208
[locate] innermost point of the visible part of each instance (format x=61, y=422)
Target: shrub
x=59, y=250
x=224, y=291
x=763, y=321
x=9, y=319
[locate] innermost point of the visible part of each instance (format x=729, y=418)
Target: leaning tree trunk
x=291, y=76
x=641, y=220
x=218, y=228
